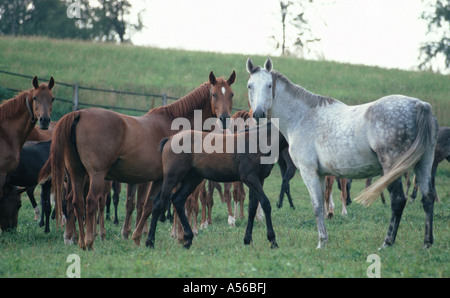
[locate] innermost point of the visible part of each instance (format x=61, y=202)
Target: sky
x=385, y=33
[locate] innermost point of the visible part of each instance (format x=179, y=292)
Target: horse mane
x=242, y=114
x=185, y=106
x=13, y=105
x=311, y=99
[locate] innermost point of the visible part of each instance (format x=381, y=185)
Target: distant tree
x=110, y=23
x=294, y=14
x=52, y=18
x=438, y=24
x=13, y=13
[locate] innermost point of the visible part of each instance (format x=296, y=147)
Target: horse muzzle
x=44, y=122
x=258, y=114
x=223, y=119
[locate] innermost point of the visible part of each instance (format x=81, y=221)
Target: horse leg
x=344, y=195
x=129, y=206
x=256, y=185
x=316, y=186
x=219, y=190
x=286, y=179
x=283, y=168
x=93, y=199
x=158, y=206
x=147, y=210
x=30, y=193
x=79, y=206
x=433, y=178
x=46, y=205
x=398, y=201
x=241, y=199
x=252, y=205
x=117, y=188
x=424, y=178
x=329, y=211
x=210, y=202
x=69, y=229
x=108, y=206
x=227, y=199
x=143, y=191
x=203, y=201
x=179, y=200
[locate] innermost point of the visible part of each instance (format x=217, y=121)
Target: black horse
x=32, y=158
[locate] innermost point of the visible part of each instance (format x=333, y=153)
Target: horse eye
x=249, y=87
x=232, y=94
x=270, y=86
x=215, y=95
x=34, y=98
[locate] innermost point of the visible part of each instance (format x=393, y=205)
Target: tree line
x=105, y=20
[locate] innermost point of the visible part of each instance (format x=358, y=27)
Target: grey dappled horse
x=327, y=137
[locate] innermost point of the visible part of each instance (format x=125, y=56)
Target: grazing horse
x=104, y=144
x=10, y=204
x=18, y=117
x=441, y=152
x=32, y=158
x=190, y=168
x=327, y=137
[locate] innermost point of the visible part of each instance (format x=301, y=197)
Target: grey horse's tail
x=427, y=129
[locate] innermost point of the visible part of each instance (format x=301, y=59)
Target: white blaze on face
x=223, y=90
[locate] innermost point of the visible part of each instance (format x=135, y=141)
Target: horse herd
x=81, y=155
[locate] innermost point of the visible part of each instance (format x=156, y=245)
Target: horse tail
x=162, y=143
x=62, y=134
x=427, y=131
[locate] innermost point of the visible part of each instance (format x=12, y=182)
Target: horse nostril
x=44, y=122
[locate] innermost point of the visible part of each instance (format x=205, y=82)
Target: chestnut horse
x=104, y=144
x=18, y=117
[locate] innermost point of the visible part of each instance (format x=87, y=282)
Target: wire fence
x=77, y=103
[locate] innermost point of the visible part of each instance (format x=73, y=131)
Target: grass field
x=219, y=251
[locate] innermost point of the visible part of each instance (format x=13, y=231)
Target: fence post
x=75, y=97
x=164, y=99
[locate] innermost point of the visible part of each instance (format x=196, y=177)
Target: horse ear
x=212, y=78
x=268, y=65
x=35, y=82
x=249, y=65
x=51, y=83
x=232, y=78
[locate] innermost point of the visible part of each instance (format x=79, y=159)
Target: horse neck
x=289, y=109
x=19, y=122
x=185, y=107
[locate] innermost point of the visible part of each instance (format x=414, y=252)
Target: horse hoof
x=137, y=240
x=427, y=245
x=274, y=244
x=293, y=207
x=150, y=244
x=187, y=245
x=247, y=240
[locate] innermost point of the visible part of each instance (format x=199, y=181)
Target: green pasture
x=219, y=251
